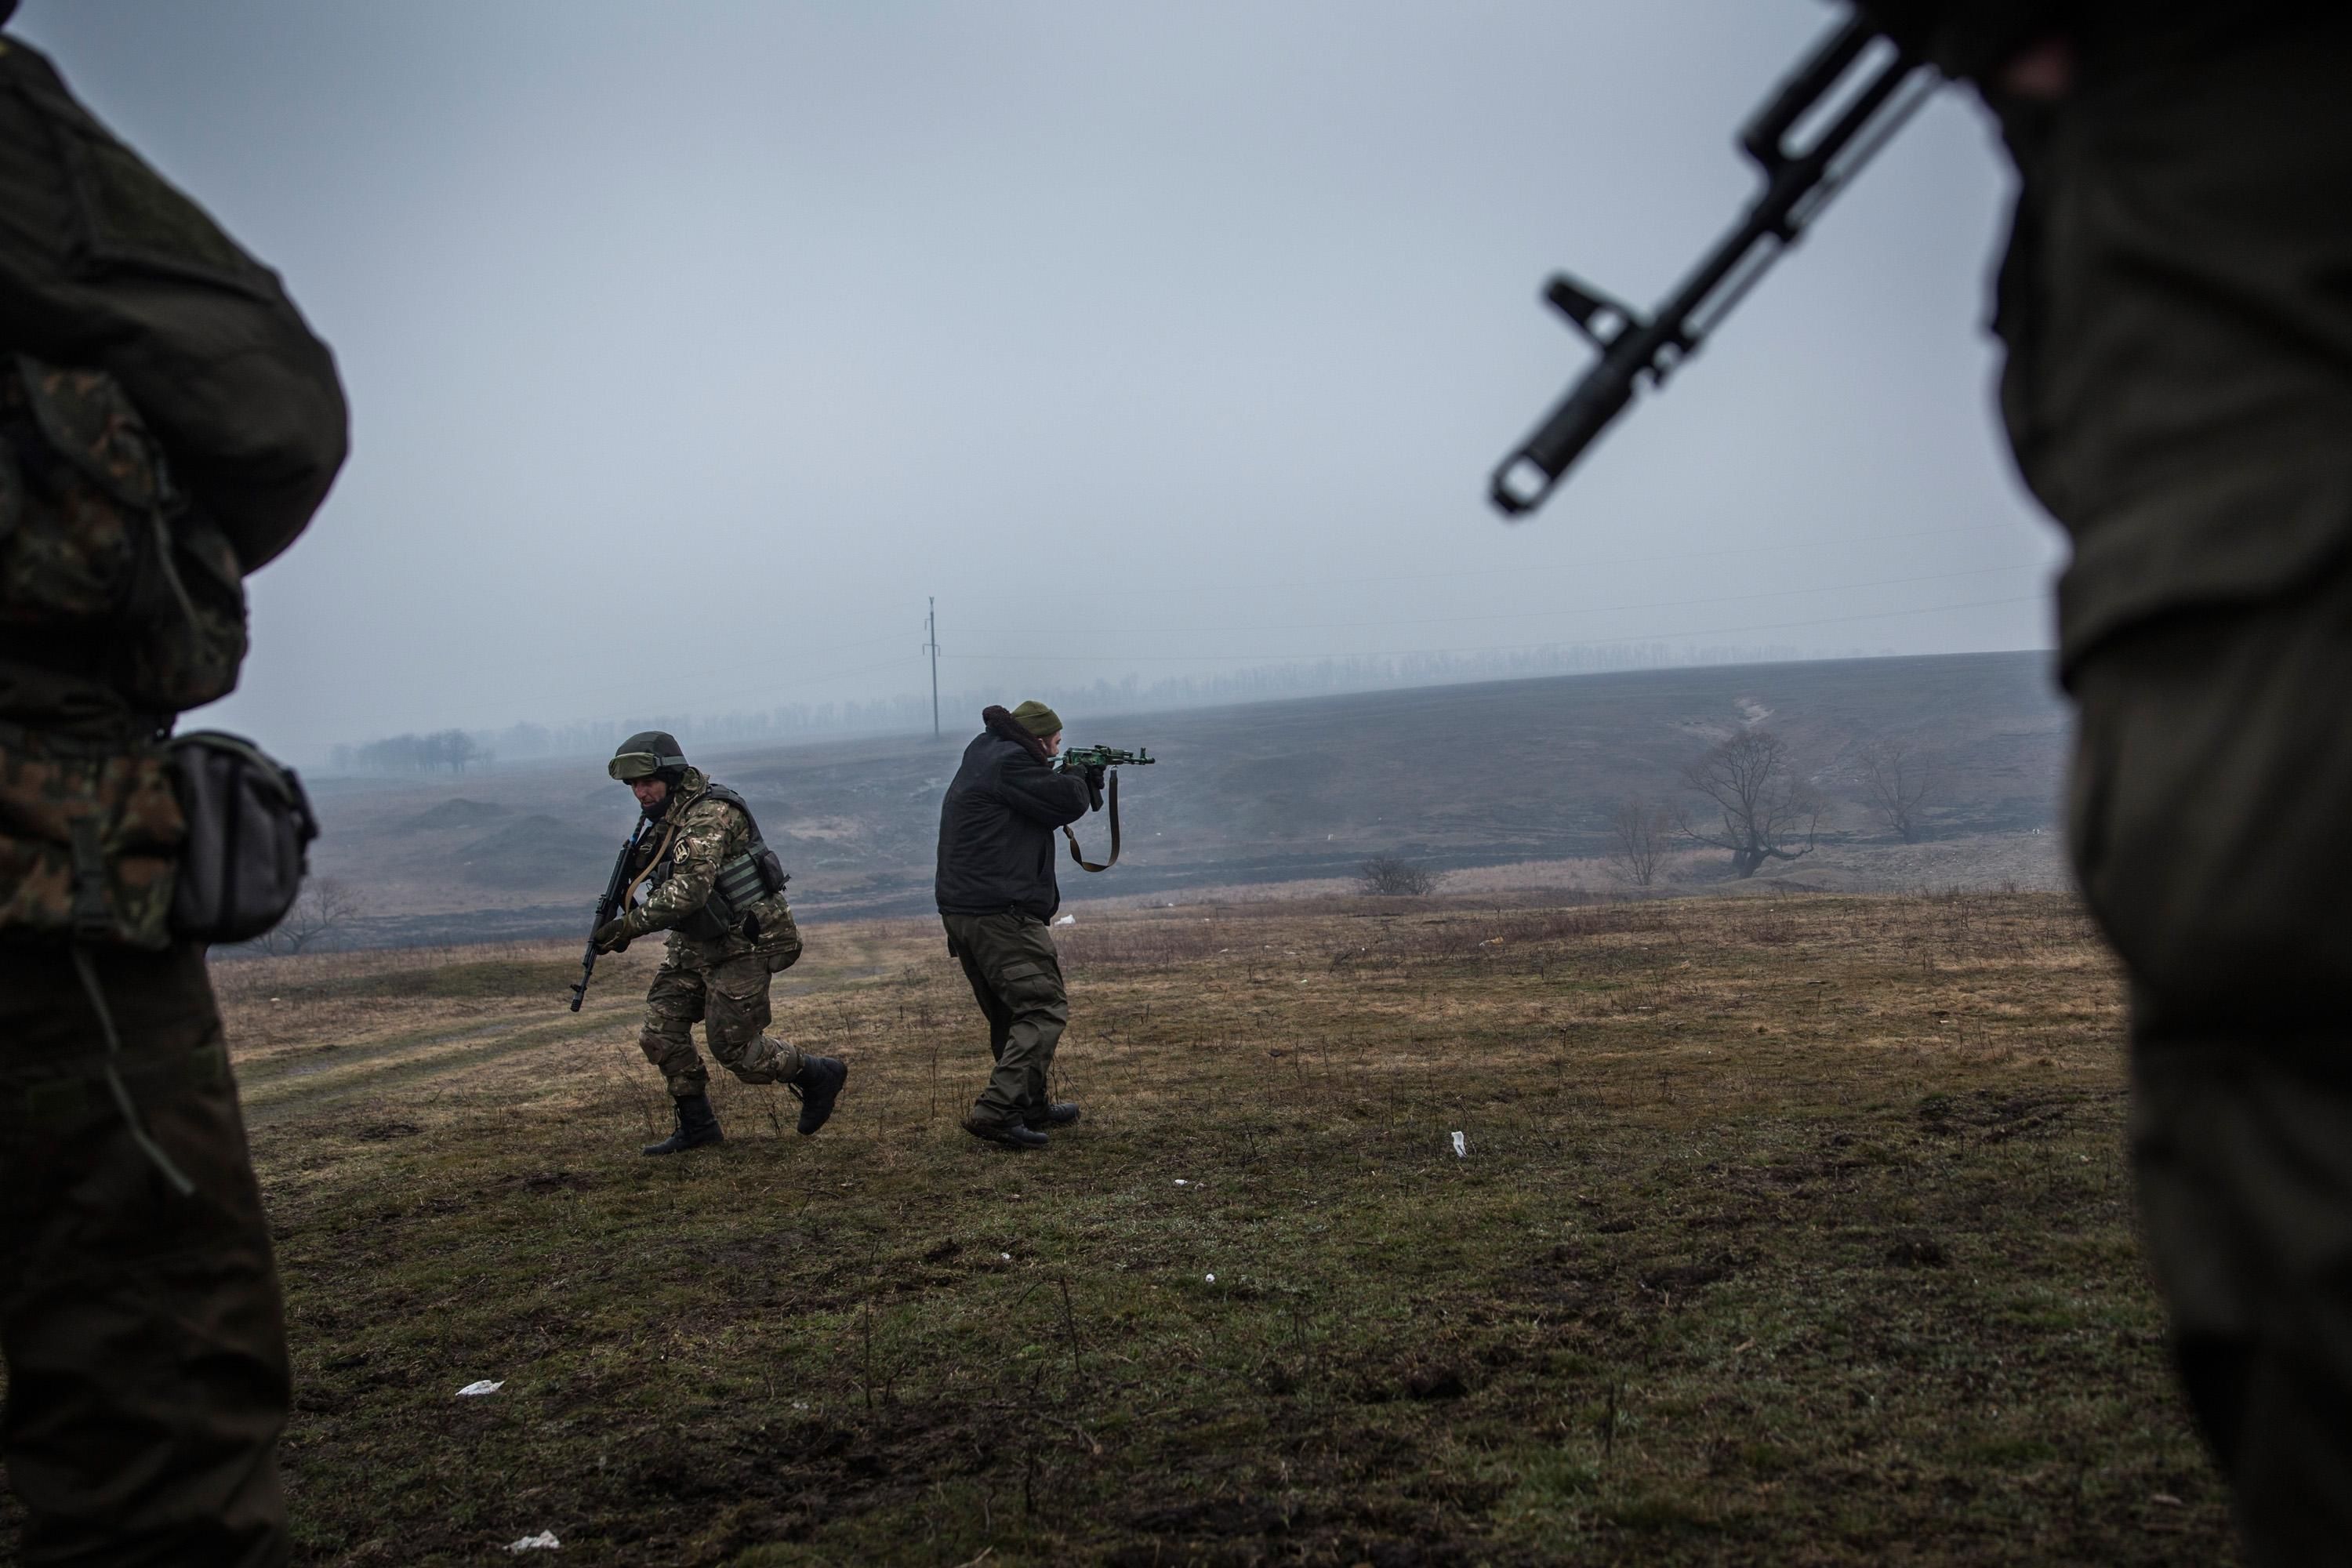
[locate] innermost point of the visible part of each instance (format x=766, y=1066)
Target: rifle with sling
x=1108, y=758
x=1799, y=182
x=617, y=888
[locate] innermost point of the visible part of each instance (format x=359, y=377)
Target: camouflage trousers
x=146, y=1344
x=729, y=997
x=1015, y=976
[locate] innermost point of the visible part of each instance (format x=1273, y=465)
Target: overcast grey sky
x=691, y=346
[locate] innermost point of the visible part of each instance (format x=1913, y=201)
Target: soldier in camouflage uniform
x=2177, y=305
x=167, y=424
x=714, y=886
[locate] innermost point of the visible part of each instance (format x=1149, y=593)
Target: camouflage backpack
x=102, y=565
x=98, y=548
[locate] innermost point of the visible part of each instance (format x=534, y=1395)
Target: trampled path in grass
x=1789, y=1231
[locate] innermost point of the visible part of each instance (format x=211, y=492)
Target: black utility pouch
x=249, y=824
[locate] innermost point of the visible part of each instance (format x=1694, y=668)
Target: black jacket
x=996, y=825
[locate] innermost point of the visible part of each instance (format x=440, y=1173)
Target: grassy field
x=1789, y=1231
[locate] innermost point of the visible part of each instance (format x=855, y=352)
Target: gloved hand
x=614, y=935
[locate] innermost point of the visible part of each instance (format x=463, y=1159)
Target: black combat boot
x=1061, y=1113
x=1012, y=1134
x=696, y=1127
x=818, y=1083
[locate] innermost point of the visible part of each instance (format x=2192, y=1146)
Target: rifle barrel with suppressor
x=1798, y=183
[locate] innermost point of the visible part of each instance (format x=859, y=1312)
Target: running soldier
x=715, y=886
x=996, y=893
x=168, y=424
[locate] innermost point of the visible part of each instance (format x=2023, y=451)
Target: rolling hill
x=1497, y=782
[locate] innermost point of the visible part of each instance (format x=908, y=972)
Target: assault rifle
x=616, y=890
x=1799, y=182
x=1078, y=759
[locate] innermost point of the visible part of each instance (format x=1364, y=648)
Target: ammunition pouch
x=143, y=842
x=90, y=831
x=101, y=554
x=741, y=883
x=249, y=830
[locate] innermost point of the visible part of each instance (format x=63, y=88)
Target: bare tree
x=324, y=908
x=1763, y=806
x=1640, y=827
x=1388, y=876
x=1897, y=778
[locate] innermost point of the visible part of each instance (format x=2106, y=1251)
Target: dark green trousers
x=1016, y=976
x=144, y=1341
x=2176, y=302
x=2212, y=832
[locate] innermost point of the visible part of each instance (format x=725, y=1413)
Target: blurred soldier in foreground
x=716, y=887
x=167, y=424
x=2177, y=305
x=996, y=892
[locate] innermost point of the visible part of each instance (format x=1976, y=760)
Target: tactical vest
x=741, y=882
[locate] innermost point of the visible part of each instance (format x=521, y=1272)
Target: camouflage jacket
x=104, y=263
x=702, y=833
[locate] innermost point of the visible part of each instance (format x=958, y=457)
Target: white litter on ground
x=1068, y=920
x=543, y=1541
x=1180, y=1181
x=1461, y=1147
x=1212, y=1280
x=484, y=1386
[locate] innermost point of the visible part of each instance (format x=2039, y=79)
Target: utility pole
x=931, y=628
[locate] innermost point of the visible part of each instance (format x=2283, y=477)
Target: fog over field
x=1507, y=788
x=692, y=349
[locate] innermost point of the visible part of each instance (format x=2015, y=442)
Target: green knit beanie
x=1038, y=719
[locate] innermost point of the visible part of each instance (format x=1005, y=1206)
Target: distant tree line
x=793, y=721
x=454, y=750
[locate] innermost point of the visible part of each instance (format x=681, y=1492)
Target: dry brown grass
x=1791, y=1230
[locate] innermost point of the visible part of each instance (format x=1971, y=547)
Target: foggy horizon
x=689, y=353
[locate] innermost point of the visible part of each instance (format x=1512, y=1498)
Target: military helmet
x=644, y=754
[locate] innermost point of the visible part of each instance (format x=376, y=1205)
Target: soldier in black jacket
x=996, y=894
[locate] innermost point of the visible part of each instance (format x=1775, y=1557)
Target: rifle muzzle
x=1527, y=475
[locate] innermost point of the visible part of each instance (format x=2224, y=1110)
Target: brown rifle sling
x=629, y=897
x=1073, y=837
